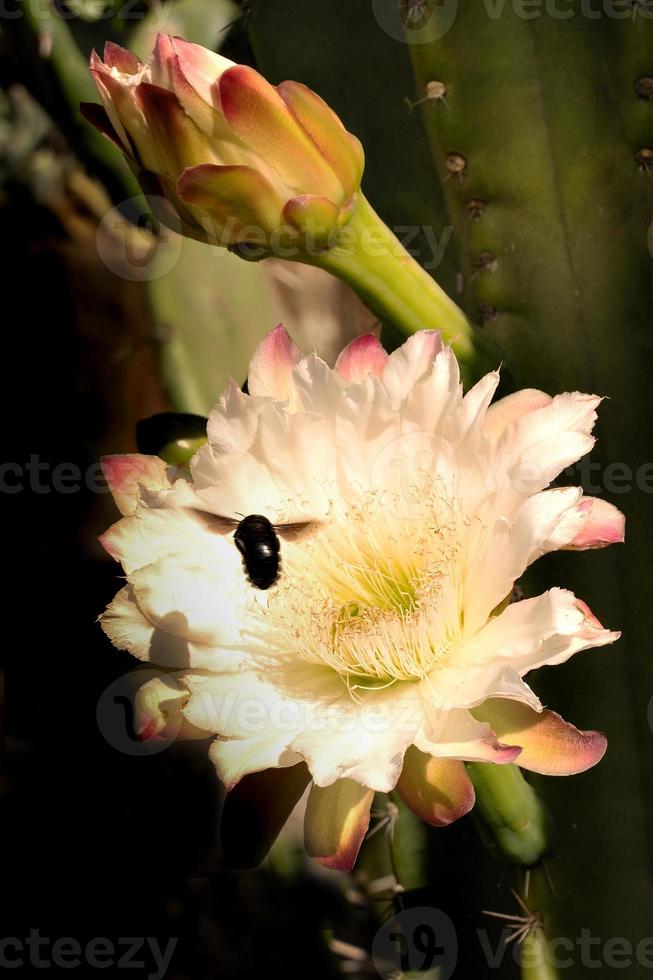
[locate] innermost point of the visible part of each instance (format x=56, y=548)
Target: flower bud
x=238, y=161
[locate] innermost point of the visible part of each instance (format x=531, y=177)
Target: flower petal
x=98, y=116
x=158, y=710
x=457, y=734
x=362, y=358
x=545, y=630
x=411, y=363
x=597, y=524
x=343, y=151
x=236, y=758
x=129, y=629
x=336, y=822
x=313, y=214
x=179, y=143
x=202, y=68
x=255, y=811
x=363, y=740
x=127, y=474
x=121, y=59
x=550, y=745
x=190, y=600
x=536, y=447
x=272, y=365
x=512, y=407
x=499, y=552
x=437, y=790
x=240, y=198
x=260, y=117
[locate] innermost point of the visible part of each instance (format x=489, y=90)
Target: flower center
x=375, y=594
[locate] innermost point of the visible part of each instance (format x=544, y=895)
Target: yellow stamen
x=375, y=594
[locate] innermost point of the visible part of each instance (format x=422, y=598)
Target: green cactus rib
x=552, y=212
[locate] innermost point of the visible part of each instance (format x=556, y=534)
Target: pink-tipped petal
x=121, y=59
x=343, y=151
x=161, y=61
x=601, y=524
x=238, y=197
x=362, y=358
x=124, y=112
x=271, y=368
x=337, y=818
x=508, y=409
x=175, y=137
x=201, y=68
x=550, y=745
x=260, y=117
x=205, y=115
x=593, y=621
x=127, y=474
x=437, y=790
x=255, y=811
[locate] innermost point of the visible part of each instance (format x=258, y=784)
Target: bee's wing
x=298, y=531
x=214, y=522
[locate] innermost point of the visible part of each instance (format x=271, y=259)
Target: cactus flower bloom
x=392, y=647
x=236, y=159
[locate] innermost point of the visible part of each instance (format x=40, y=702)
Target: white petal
x=535, y=448
x=498, y=554
x=511, y=408
x=153, y=532
x=457, y=735
x=126, y=475
x=129, y=629
x=192, y=600
x=364, y=741
x=545, y=630
x=411, y=363
x=235, y=758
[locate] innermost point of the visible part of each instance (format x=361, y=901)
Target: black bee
x=256, y=539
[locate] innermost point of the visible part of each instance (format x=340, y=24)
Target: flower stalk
x=367, y=255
